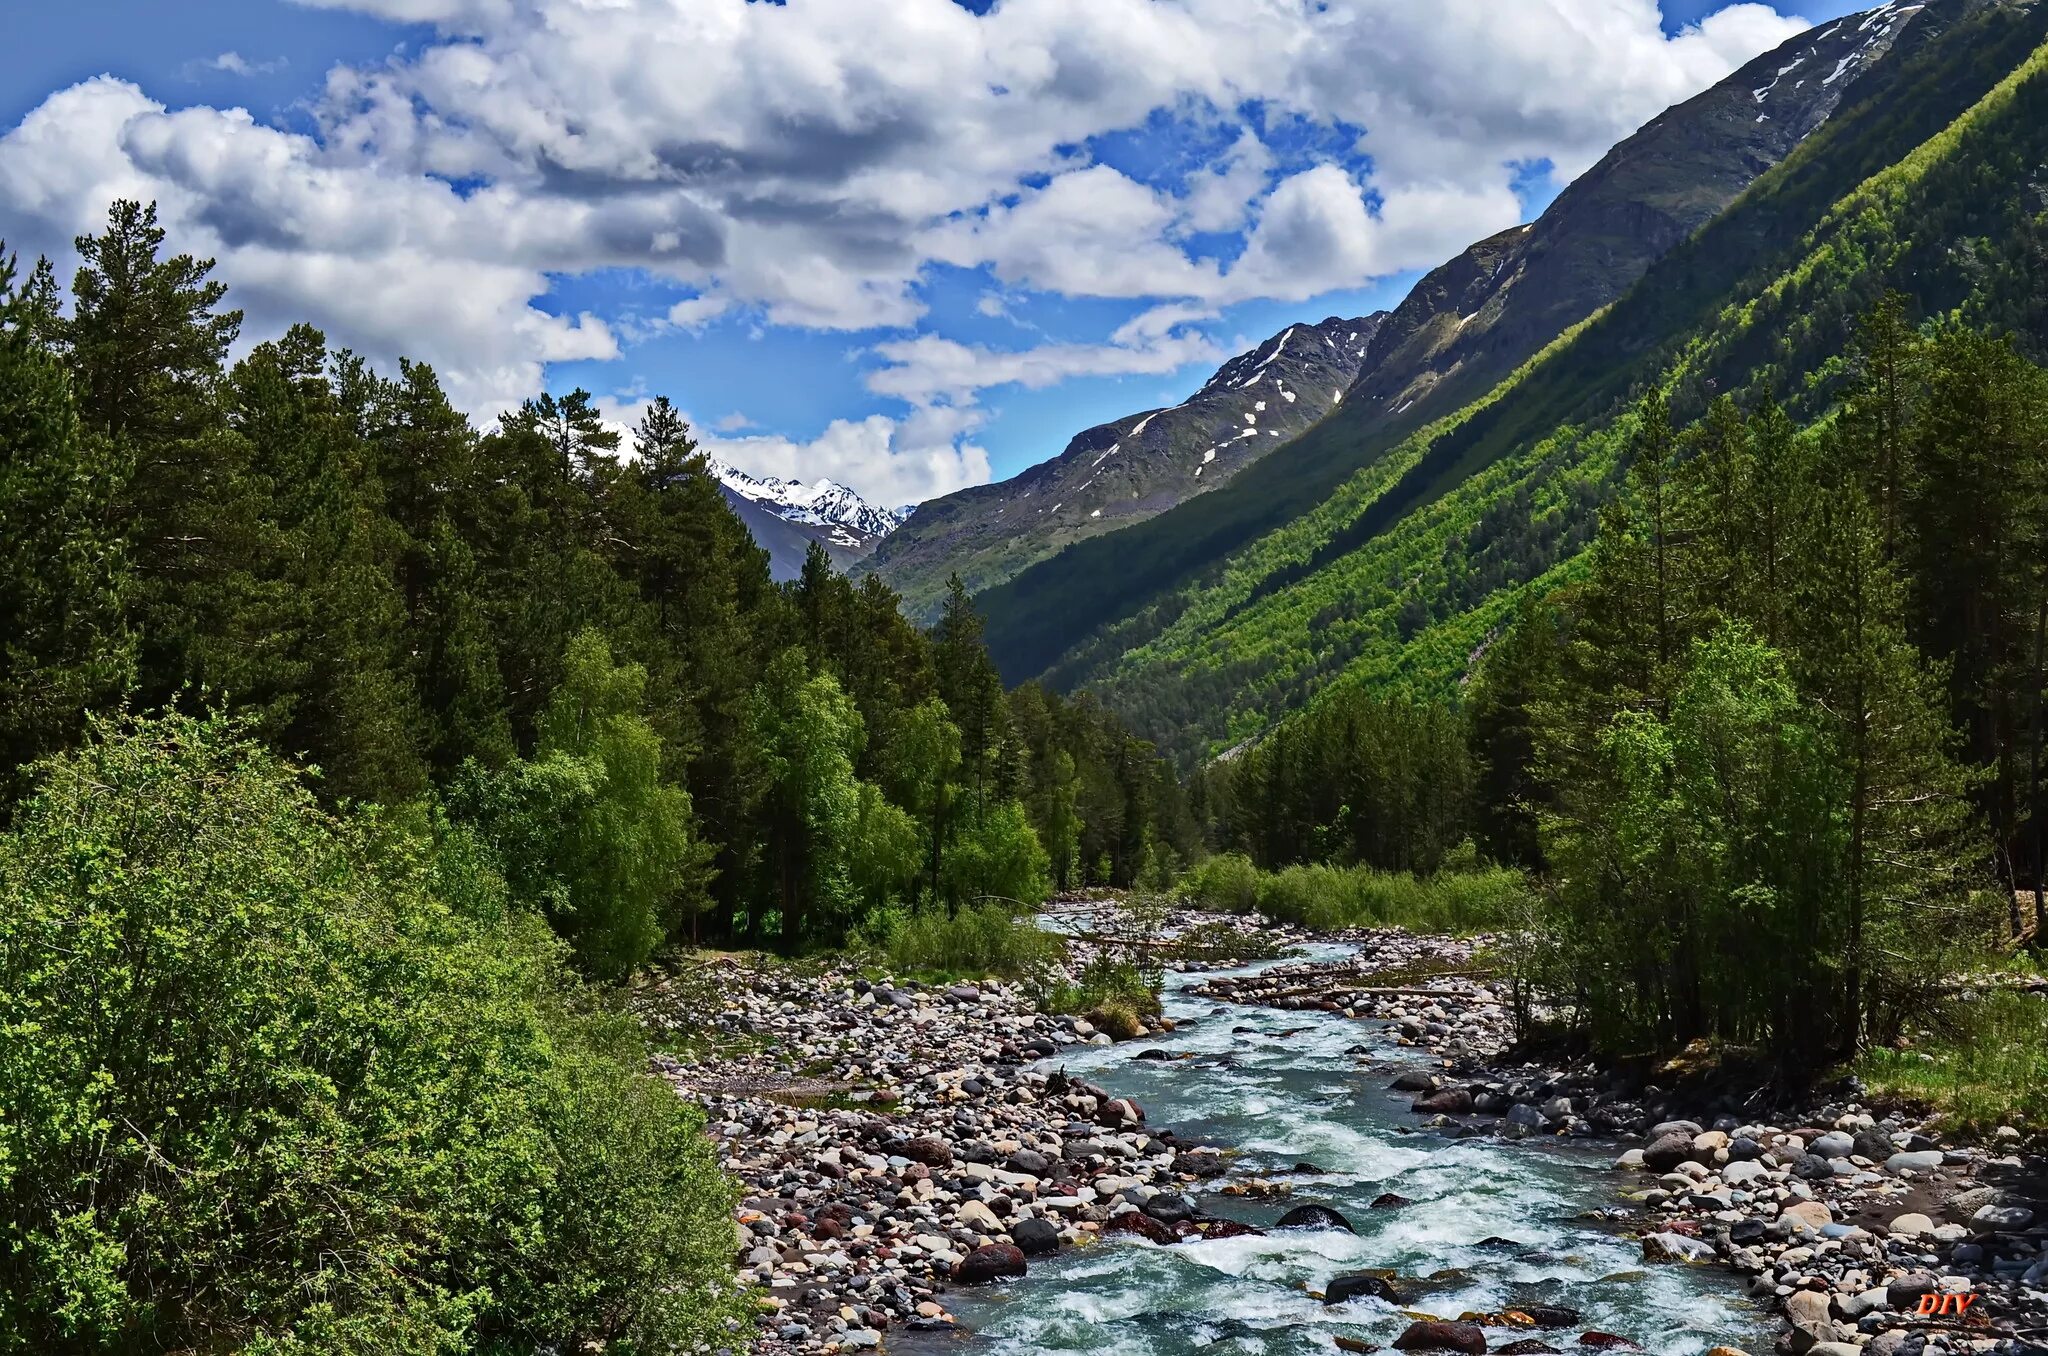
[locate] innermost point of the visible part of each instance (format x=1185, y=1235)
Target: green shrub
x=1224, y=884
x=263, y=1090
x=985, y=939
x=1327, y=898
x=1987, y=1067
x=1113, y=994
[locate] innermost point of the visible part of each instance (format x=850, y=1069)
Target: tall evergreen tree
x=65, y=646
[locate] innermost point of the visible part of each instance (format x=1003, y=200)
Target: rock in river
x=990, y=1263
x=1431, y=1335
x=1313, y=1217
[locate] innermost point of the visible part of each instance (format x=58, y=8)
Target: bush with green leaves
x=985, y=939
x=1327, y=898
x=996, y=856
x=278, y=1081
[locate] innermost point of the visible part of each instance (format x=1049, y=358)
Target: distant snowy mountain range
x=855, y=522
x=786, y=516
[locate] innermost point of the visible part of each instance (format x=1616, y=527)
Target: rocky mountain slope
x=1471, y=323
x=1930, y=179
x=1126, y=471
x=786, y=516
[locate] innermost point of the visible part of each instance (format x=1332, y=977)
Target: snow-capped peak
x=822, y=503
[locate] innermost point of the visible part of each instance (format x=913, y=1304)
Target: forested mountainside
x=1126, y=471
x=521, y=628
x=1928, y=181
x=1471, y=323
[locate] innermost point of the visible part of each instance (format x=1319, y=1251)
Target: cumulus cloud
x=807, y=163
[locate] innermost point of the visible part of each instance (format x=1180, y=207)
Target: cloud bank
x=809, y=164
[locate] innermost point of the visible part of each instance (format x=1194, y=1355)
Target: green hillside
x=1930, y=183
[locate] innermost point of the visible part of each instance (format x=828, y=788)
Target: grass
x=1329, y=897
x=979, y=941
x=1114, y=995
x=1987, y=1067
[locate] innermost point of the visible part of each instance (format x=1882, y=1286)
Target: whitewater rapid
x=1287, y=1088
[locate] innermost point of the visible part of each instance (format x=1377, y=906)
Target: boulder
x=1314, y=1217
x=974, y=1215
x=1607, y=1341
x=1924, y=1160
x=1029, y=1162
x=1912, y=1223
x=2002, y=1218
x=1449, y=1102
x=1035, y=1237
x=1353, y=1285
x=1813, y=1168
x=1873, y=1144
x=1904, y=1292
x=1435, y=1335
x=1143, y=1225
x=1387, y=1200
x=989, y=1263
x=932, y=1153
x=1807, y=1216
x=1667, y=1151
x=1834, y=1144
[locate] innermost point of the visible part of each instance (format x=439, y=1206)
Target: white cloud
x=234, y=63
x=930, y=370
x=807, y=163
x=890, y=461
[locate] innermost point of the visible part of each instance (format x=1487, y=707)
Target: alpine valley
x=1729, y=246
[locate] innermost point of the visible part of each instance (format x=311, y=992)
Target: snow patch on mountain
x=852, y=520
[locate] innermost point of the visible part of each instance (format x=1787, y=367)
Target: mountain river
x=1288, y=1090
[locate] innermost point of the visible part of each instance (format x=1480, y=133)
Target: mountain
x=1929, y=177
x=1125, y=471
x=786, y=516
x=1467, y=326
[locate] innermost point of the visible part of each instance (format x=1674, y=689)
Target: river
x=1290, y=1090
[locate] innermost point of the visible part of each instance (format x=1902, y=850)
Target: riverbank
x=897, y=1141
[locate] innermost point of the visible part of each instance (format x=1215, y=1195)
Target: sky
x=910, y=245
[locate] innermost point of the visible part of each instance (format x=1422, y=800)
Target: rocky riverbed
x=897, y=1142
x=1849, y=1220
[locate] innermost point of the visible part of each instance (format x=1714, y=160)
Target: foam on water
x=1289, y=1090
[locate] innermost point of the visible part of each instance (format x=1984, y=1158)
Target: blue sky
x=882, y=240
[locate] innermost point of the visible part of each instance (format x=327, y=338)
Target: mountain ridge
x=1127, y=470
x=1461, y=330
x=1934, y=182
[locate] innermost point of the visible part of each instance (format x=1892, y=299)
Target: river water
x=1288, y=1091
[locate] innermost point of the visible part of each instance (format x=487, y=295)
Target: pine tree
x=65, y=646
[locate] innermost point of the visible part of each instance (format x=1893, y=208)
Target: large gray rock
x=1924, y=1160
x=1834, y=1144
x=2005, y=1218
x=1035, y=1237
x=1667, y=1151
